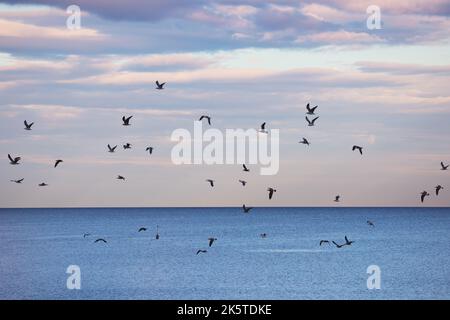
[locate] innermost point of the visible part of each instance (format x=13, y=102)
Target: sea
x=46, y=254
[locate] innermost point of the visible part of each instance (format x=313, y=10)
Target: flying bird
x=337, y=199
x=323, y=241
x=14, y=161
x=311, y=122
x=86, y=235
x=438, y=188
x=263, y=235
x=357, y=148
x=263, y=128
x=304, y=141
x=159, y=86
x=338, y=245
x=201, y=251
x=243, y=182
x=18, y=181
x=149, y=149
x=111, y=149
x=157, y=233
x=211, y=182
x=142, y=229
x=126, y=121
x=370, y=223
x=444, y=167
x=246, y=209
x=205, y=117
x=120, y=178
x=310, y=110
x=58, y=162
x=100, y=240
x=127, y=146
x=245, y=169
x=28, y=125
x=211, y=241
x=347, y=242
x=271, y=191
x=43, y=184
x=423, y=195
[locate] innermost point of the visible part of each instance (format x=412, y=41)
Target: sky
x=243, y=62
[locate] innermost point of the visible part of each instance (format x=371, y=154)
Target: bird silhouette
x=246, y=209
x=304, y=141
x=149, y=149
x=338, y=245
x=119, y=177
x=348, y=242
x=14, y=161
x=142, y=229
x=18, y=181
x=111, y=149
x=157, y=233
x=126, y=121
x=370, y=223
x=444, y=167
x=310, y=110
x=263, y=128
x=201, y=251
x=28, y=125
x=263, y=235
x=311, y=122
x=159, y=86
x=58, y=162
x=271, y=191
x=357, y=148
x=323, y=241
x=205, y=117
x=423, y=195
x=43, y=184
x=243, y=182
x=211, y=182
x=86, y=235
x=438, y=188
x=127, y=146
x=211, y=241
x=100, y=240
x=245, y=169
x=337, y=199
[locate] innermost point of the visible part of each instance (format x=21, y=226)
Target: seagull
x=423, y=195
x=337, y=199
x=338, y=245
x=304, y=141
x=149, y=149
x=310, y=110
x=370, y=223
x=111, y=149
x=444, y=167
x=201, y=251
x=263, y=235
x=58, y=162
x=28, y=125
x=263, y=128
x=311, y=122
x=243, y=182
x=18, y=181
x=205, y=117
x=323, y=241
x=142, y=229
x=271, y=191
x=14, y=161
x=127, y=146
x=100, y=240
x=357, y=147
x=211, y=182
x=43, y=184
x=245, y=169
x=211, y=241
x=159, y=86
x=120, y=178
x=246, y=209
x=438, y=188
x=126, y=121
x=86, y=235
x=347, y=242
x=157, y=233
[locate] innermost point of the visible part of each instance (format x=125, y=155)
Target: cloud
x=340, y=37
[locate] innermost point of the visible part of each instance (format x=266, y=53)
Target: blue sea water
x=410, y=246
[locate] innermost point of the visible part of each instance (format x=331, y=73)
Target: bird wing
x=209, y=120
x=245, y=167
x=211, y=242
x=308, y=120
x=157, y=83
x=313, y=109
x=270, y=193
x=26, y=123
x=346, y=240
x=201, y=118
x=10, y=158
x=422, y=197
x=314, y=120
x=263, y=126
x=308, y=108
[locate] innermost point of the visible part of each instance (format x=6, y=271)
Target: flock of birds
x=126, y=121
